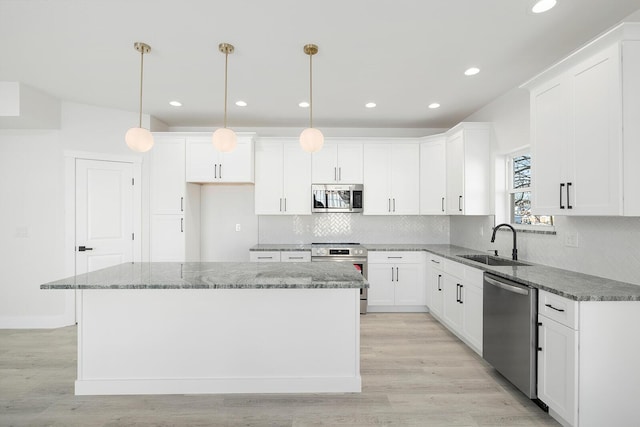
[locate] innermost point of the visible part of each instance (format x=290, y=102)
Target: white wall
x=32, y=221
x=607, y=246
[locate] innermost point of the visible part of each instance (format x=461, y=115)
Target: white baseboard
x=37, y=322
x=219, y=385
x=397, y=309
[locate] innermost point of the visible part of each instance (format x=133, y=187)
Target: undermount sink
x=493, y=260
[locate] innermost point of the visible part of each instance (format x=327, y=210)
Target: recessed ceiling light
x=241, y=103
x=370, y=105
x=304, y=104
x=434, y=105
x=472, y=71
x=541, y=6
x=175, y=103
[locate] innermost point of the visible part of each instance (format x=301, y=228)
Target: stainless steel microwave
x=337, y=197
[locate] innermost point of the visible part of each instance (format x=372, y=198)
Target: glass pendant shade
x=311, y=140
x=139, y=139
x=224, y=139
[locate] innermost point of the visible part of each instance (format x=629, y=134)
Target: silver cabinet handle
x=220, y=172
x=394, y=204
x=460, y=300
x=295, y=257
x=265, y=257
x=553, y=308
x=335, y=173
x=285, y=204
x=460, y=203
x=280, y=204
x=442, y=204
x=392, y=274
x=397, y=274
x=561, y=187
x=181, y=204
x=182, y=225
x=439, y=287
x=215, y=171
x=340, y=173
x=389, y=208
x=434, y=261
x=568, y=198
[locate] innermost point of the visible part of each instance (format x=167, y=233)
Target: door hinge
x=133, y=236
x=133, y=181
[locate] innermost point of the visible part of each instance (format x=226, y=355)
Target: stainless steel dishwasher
x=509, y=332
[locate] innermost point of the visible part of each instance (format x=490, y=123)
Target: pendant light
x=224, y=139
x=311, y=139
x=140, y=139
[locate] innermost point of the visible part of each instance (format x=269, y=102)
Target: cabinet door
x=557, y=367
x=550, y=133
x=296, y=180
x=433, y=174
x=596, y=184
x=472, y=314
x=377, y=179
x=350, y=162
x=167, y=176
x=455, y=174
x=269, y=173
x=237, y=166
x=167, y=241
x=409, y=285
x=324, y=164
x=381, y=284
x=202, y=160
x=405, y=179
x=452, y=309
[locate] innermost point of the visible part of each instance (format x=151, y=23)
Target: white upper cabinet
x=339, y=161
x=433, y=175
x=167, y=175
x=392, y=178
x=585, y=128
x=205, y=164
x=468, y=170
x=283, y=178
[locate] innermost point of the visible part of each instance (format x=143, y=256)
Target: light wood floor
x=414, y=373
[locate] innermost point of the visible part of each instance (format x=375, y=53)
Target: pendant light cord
x=310, y=91
x=141, y=70
x=226, y=64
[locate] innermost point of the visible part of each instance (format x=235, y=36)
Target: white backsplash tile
x=607, y=246
x=345, y=227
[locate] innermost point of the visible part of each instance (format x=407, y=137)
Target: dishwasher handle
x=507, y=287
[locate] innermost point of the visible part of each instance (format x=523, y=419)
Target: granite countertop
x=569, y=284
x=216, y=275
x=280, y=247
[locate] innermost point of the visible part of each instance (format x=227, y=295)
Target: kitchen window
x=519, y=192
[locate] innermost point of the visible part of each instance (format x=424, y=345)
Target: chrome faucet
x=514, y=252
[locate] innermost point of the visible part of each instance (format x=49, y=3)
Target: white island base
x=183, y=341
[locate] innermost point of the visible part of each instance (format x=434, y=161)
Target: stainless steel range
x=344, y=252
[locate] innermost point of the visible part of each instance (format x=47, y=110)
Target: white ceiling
x=401, y=54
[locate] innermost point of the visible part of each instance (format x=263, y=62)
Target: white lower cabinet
x=588, y=371
x=396, y=282
x=455, y=298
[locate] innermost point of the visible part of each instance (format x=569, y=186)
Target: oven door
x=359, y=263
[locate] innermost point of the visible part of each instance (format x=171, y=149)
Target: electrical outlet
x=571, y=239
x=237, y=227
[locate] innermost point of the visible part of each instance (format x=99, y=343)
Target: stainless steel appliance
x=344, y=252
x=337, y=198
x=509, y=336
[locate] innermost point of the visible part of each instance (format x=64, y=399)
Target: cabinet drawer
x=295, y=256
x=264, y=256
x=560, y=309
x=401, y=257
x=436, y=262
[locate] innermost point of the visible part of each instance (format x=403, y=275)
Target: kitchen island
x=181, y=328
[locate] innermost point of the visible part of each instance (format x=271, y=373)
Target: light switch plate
x=571, y=239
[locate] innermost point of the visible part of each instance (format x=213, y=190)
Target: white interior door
x=104, y=214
